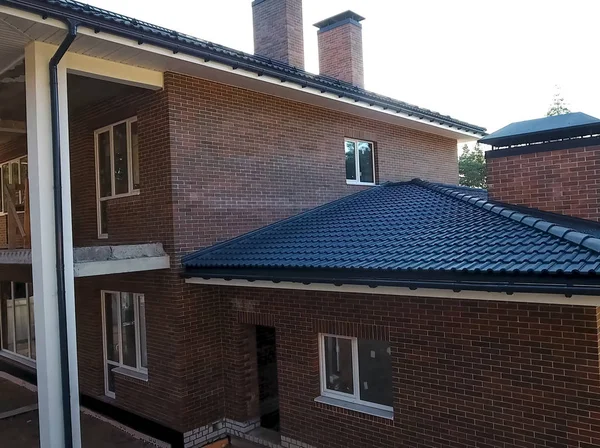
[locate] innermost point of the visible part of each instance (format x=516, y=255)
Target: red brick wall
x=465, y=373
x=564, y=181
x=243, y=160
x=146, y=217
x=13, y=148
x=341, y=54
x=278, y=30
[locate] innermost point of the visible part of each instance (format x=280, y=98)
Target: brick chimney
x=552, y=164
x=341, y=48
x=278, y=32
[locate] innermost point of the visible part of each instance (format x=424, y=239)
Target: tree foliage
x=558, y=106
x=471, y=167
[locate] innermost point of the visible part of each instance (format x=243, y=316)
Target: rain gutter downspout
x=59, y=234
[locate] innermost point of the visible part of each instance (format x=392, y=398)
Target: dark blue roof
x=410, y=227
x=559, y=126
x=143, y=32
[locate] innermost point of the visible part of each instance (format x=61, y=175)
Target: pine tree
x=559, y=106
x=471, y=167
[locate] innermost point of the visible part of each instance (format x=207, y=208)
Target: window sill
x=356, y=407
x=18, y=358
x=364, y=184
x=131, y=373
x=119, y=196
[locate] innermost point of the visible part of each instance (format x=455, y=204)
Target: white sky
x=487, y=62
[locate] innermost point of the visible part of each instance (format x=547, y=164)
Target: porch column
x=39, y=148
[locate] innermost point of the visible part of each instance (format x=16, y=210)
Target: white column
x=39, y=143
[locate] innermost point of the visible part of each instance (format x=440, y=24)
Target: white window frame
x=131, y=190
x=13, y=354
x=10, y=181
x=351, y=398
x=357, y=162
x=139, y=371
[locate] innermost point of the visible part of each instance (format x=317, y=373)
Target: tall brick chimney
x=341, y=48
x=278, y=32
x=552, y=164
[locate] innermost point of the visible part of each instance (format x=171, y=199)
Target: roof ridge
x=565, y=233
x=303, y=214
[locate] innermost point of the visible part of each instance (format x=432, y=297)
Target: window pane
x=365, y=158
x=338, y=365
x=14, y=167
x=111, y=303
x=350, y=161
x=7, y=317
x=104, y=164
x=121, y=162
x=128, y=330
x=375, y=372
x=142, y=314
x=22, y=326
x=31, y=320
x=5, y=181
x=135, y=156
x=104, y=217
x=24, y=174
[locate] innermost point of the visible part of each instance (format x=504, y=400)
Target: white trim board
x=555, y=299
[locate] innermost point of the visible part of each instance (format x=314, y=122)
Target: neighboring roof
x=405, y=230
x=542, y=129
x=106, y=21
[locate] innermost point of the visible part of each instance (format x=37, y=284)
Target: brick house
x=248, y=251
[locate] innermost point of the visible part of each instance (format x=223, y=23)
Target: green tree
x=558, y=106
x=471, y=167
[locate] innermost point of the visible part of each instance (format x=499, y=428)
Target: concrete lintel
x=103, y=260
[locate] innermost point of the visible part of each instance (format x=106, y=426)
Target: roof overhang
x=115, y=45
x=457, y=281
x=103, y=260
x=426, y=290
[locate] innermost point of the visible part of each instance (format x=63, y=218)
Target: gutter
x=59, y=234
x=176, y=42
x=486, y=284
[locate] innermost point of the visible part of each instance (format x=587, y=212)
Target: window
x=356, y=370
x=117, y=166
x=360, y=162
x=14, y=174
x=124, y=330
x=17, y=321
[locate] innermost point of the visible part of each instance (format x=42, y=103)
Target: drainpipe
x=58, y=230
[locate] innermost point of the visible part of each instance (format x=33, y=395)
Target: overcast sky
x=487, y=62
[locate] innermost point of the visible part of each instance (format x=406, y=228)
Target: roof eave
x=563, y=284
x=177, y=43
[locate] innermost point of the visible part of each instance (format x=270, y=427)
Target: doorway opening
x=266, y=357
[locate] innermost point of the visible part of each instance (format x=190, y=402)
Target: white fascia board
x=555, y=299
x=94, y=268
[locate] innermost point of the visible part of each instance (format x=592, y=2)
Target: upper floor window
x=360, y=162
x=356, y=370
x=117, y=165
x=124, y=329
x=13, y=176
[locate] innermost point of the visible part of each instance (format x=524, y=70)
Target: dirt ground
x=22, y=431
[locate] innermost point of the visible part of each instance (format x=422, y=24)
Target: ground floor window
x=124, y=330
x=17, y=322
x=356, y=370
